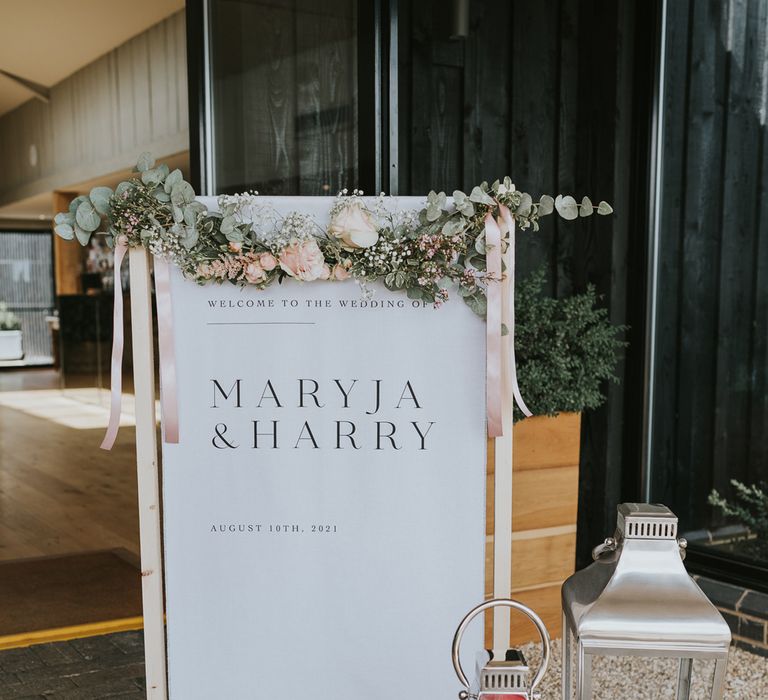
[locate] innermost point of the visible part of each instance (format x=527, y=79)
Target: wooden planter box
x=545, y=494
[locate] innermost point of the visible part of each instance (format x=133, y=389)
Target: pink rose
x=340, y=273
x=254, y=273
x=304, y=260
x=235, y=247
x=268, y=261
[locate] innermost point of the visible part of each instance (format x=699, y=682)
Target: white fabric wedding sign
x=324, y=510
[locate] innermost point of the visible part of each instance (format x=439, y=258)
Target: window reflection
x=284, y=96
x=710, y=428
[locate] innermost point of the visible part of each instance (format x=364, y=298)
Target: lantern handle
x=507, y=603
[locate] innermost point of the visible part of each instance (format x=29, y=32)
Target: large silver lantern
x=637, y=599
x=501, y=676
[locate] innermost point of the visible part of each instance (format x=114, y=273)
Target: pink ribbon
x=168, y=398
x=501, y=310
x=116, y=374
x=493, y=369
x=510, y=222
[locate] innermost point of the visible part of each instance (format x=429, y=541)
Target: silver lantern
x=499, y=678
x=637, y=599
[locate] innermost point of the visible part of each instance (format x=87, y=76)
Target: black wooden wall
x=712, y=385
x=557, y=94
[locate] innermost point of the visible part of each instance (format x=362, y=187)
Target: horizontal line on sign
x=261, y=323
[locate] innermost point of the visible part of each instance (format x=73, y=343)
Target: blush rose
x=353, y=226
x=304, y=261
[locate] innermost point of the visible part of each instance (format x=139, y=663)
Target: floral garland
x=248, y=243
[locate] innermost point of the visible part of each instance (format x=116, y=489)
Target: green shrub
x=565, y=349
x=750, y=506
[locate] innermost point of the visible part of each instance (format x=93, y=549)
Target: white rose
x=353, y=227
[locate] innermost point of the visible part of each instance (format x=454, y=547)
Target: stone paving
x=109, y=666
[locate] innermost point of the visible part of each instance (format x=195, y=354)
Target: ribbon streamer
x=493, y=369
x=168, y=398
x=509, y=220
x=501, y=367
x=116, y=372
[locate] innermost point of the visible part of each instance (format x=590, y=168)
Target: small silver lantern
x=497, y=678
x=637, y=599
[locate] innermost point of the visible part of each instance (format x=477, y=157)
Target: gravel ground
x=637, y=678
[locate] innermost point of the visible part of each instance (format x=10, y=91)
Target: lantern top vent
x=646, y=521
x=501, y=677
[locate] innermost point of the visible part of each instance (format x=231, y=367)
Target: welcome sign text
x=377, y=406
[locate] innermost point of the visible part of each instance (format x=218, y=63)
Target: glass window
x=26, y=270
x=710, y=408
x=284, y=84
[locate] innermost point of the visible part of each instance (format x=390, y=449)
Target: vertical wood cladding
x=100, y=118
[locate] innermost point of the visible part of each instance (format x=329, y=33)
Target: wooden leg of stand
x=148, y=475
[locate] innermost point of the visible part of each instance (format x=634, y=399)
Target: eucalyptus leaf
x=453, y=226
x=586, y=207
x=191, y=235
x=480, y=244
x=480, y=197
x=122, y=188
x=173, y=177
x=65, y=231
x=64, y=217
x=478, y=303
x=435, y=205
x=546, y=205
x=227, y=225
x=463, y=204
x=145, y=162
x=414, y=293
x=82, y=235
x=182, y=193
x=178, y=214
x=524, y=208
x=152, y=177
x=76, y=202
x=567, y=207
x=190, y=216
x=604, y=209
x=100, y=197
x=87, y=217
x=161, y=195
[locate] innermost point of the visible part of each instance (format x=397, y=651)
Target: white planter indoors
x=10, y=345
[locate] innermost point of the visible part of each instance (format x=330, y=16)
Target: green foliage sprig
x=565, y=348
x=9, y=321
